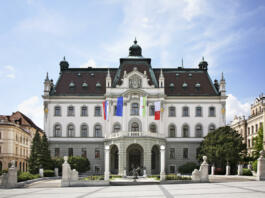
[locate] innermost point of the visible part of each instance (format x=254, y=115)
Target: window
x=172, y=169
x=152, y=110
x=135, y=127
x=172, y=153
x=57, y=130
x=256, y=128
x=0, y=151
x=97, y=154
x=71, y=111
x=248, y=130
x=198, y=112
x=70, y=130
x=152, y=128
x=185, y=111
x=84, y=130
x=83, y=152
x=57, y=152
x=185, y=153
x=70, y=152
x=0, y=135
x=97, y=111
x=171, y=111
x=135, y=109
x=97, y=170
x=252, y=129
x=172, y=131
x=211, y=127
x=185, y=131
x=84, y=111
x=211, y=111
x=98, y=131
x=114, y=110
x=198, y=131
x=116, y=128
x=57, y=111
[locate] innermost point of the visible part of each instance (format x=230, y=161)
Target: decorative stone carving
x=204, y=170
x=10, y=178
x=240, y=169
x=228, y=168
x=261, y=167
x=41, y=172
x=196, y=175
x=212, y=169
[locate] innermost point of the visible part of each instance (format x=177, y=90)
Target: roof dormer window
x=84, y=85
x=71, y=84
x=98, y=85
x=184, y=85
x=190, y=75
x=197, y=85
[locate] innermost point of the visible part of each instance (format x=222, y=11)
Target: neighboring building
x=249, y=128
x=192, y=105
x=16, y=134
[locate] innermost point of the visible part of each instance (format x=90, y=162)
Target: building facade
x=248, y=128
x=191, y=106
x=16, y=134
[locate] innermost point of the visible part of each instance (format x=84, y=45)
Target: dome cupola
x=203, y=64
x=135, y=49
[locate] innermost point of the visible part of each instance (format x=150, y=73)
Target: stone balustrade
x=134, y=134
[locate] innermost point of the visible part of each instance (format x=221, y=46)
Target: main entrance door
x=134, y=157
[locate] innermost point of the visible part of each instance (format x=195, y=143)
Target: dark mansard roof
x=91, y=81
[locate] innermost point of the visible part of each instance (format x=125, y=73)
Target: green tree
x=34, y=159
x=258, y=143
x=45, y=157
x=221, y=146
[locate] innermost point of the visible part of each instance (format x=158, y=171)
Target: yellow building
x=16, y=134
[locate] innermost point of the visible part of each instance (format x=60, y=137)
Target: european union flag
x=119, y=106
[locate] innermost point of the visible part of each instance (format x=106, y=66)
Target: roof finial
x=47, y=77
x=64, y=58
x=222, y=77
x=182, y=62
x=203, y=58
x=135, y=41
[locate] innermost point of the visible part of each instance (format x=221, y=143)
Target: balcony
x=135, y=134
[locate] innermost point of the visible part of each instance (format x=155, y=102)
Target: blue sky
x=35, y=35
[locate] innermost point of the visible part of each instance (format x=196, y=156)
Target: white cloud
x=32, y=107
x=10, y=68
x=8, y=71
x=234, y=107
x=90, y=63
x=12, y=76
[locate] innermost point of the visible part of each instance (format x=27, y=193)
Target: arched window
x=198, y=112
x=171, y=111
x=97, y=130
x=172, y=131
x=97, y=111
x=198, y=131
x=152, y=128
x=211, y=111
x=70, y=130
x=71, y=111
x=152, y=110
x=135, y=109
x=211, y=127
x=116, y=127
x=135, y=127
x=57, y=130
x=84, y=111
x=57, y=111
x=84, y=130
x=185, y=131
x=185, y=111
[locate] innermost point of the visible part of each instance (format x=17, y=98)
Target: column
x=162, y=163
x=147, y=159
x=106, y=175
x=122, y=160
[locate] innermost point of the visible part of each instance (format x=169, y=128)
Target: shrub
x=81, y=164
x=97, y=177
x=247, y=172
x=115, y=176
x=255, y=165
x=187, y=168
x=24, y=176
x=176, y=177
x=48, y=173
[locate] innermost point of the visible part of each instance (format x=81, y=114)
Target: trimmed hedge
x=247, y=172
x=81, y=164
x=24, y=176
x=187, y=168
x=97, y=177
x=48, y=173
x=255, y=165
x=176, y=177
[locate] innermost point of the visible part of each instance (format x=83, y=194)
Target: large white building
x=192, y=105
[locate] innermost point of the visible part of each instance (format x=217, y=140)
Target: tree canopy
x=258, y=143
x=221, y=146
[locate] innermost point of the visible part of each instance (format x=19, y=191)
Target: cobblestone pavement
x=248, y=189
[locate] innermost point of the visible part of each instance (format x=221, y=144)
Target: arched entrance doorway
x=135, y=157
x=155, y=159
x=114, y=159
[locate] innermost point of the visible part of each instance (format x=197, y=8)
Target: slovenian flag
x=142, y=106
x=106, y=110
x=157, y=110
x=119, y=106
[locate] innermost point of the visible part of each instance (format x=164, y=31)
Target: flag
x=119, y=106
x=157, y=110
x=142, y=106
x=106, y=110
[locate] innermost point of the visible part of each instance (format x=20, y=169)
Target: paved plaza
x=248, y=189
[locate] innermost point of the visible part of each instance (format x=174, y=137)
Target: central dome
x=135, y=50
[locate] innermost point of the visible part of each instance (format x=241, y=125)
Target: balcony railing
x=135, y=134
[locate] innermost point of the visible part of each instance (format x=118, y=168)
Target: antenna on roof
x=182, y=62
